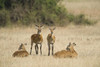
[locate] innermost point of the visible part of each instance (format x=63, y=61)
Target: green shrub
x=28, y=12
x=81, y=20
x=70, y=17
x=4, y=18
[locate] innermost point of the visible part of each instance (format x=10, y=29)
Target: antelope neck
x=38, y=32
x=24, y=49
x=51, y=33
x=72, y=49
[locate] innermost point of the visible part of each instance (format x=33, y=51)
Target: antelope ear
x=49, y=28
x=42, y=27
x=36, y=25
x=20, y=46
x=54, y=28
x=74, y=44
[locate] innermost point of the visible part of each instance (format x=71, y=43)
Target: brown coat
x=50, y=38
x=20, y=54
x=37, y=38
x=65, y=54
x=70, y=52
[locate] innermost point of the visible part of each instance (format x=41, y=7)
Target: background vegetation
x=28, y=12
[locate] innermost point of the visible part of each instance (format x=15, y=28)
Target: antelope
x=69, y=52
x=51, y=40
x=21, y=52
x=37, y=39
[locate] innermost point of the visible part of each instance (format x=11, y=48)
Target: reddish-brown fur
x=51, y=40
x=37, y=39
x=70, y=52
x=21, y=52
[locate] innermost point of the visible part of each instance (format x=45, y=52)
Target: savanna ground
x=87, y=39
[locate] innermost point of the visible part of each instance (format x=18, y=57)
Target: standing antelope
x=69, y=52
x=21, y=52
x=37, y=39
x=51, y=40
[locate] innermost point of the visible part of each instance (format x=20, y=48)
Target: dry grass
x=87, y=39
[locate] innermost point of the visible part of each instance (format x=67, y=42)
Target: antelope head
x=52, y=29
x=70, y=46
x=39, y=28
x=21, y=47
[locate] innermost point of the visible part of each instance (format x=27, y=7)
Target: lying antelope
x=21, y=52
x=37, y=39
x=69, y=52
x=51, y=40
